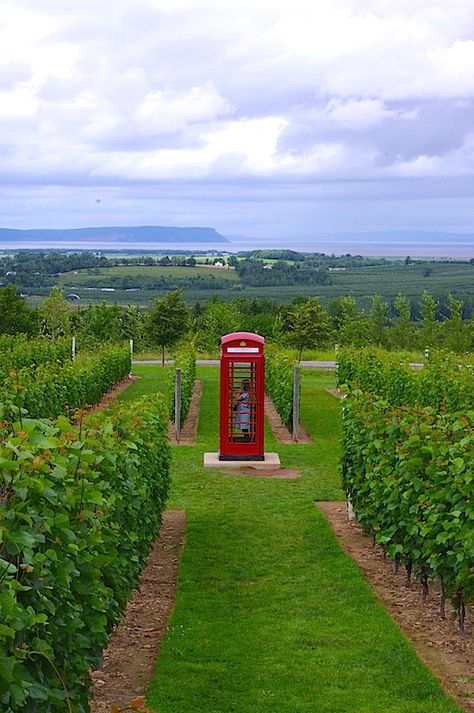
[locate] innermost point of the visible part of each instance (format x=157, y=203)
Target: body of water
x=458, y=246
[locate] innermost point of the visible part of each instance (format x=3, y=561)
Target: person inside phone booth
x=242, y=411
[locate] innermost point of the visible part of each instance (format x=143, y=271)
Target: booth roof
x=245, y=336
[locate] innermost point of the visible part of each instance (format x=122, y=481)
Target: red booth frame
x=242, y=348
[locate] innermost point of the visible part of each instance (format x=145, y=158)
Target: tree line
x=303, y=323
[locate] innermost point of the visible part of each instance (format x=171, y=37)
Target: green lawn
x=271, y=616
x=153, y=379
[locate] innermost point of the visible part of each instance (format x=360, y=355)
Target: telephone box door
x=242, y=392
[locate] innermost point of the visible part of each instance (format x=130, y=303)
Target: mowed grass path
x=271, y=616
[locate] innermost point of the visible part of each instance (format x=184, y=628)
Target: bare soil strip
x=111, y=395
x=335, y=392
x=189, y=430
x=130, y=658
x=276, y=473
x=438, y=642
x=279, y=429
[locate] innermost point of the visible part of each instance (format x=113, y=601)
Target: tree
x=308, y=325
x=167, y=320
x=429, y=326
x=342, y=309
x=132, y=325
x=218, y=318
x=456, y=331
x=55, y=314
x=379, y=318
x=402, y=330
x=103, y=323
x=352, y=327
x=15, y=315
x=357, y=331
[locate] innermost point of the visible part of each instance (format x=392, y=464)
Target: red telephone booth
x=242, y=397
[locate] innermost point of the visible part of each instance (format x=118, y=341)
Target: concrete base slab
x=272, y=460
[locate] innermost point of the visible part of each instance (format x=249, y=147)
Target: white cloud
x=459, y=162
x=241, y=147
x=172, y=110
x=11, y=73
x=247, y=148
x=255, y=140
x=201, y=90
x=17, y=104
x=359, y=113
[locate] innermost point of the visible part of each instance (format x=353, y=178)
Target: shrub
x=79, y=508
x=442, y=382
x=52, y=389
x=408, y=464
x=185, y=359
x=279, y=384
x=19, y=351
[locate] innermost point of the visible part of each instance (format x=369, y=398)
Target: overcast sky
x=261, y=117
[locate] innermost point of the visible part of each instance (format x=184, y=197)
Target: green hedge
x=52, y=389
x=441, y=383
x=408, y=462
x=185, y=359
x=279, y=384
x=79, y=508
x=409, y=473
x=20, y=351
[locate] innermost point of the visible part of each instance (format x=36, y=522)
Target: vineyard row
x=79, y=507
x=51, y=389
x=408, y=468
x=441, y=383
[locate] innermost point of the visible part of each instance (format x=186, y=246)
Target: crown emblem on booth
x=243, y=344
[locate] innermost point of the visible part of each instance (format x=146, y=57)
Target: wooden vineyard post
x=177, y=404
x=73, y=348
x=296, y=402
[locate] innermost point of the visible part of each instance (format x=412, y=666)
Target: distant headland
x=117, y=234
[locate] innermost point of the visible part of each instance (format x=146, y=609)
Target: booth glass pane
x=241, y=417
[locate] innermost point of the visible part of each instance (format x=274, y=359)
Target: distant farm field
x=138, y=284
x=437, y=278
x=107, y=277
